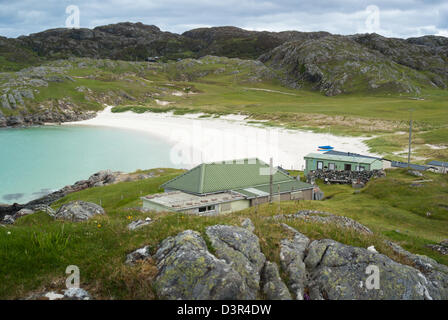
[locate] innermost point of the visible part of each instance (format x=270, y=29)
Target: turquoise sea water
x=35, y=161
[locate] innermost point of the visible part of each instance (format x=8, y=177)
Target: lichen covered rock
x=187, y=270
x=273, y=286
x=78, y=211
x=241, y=248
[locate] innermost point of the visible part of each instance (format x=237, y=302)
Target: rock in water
x=188, y=271
x=241, y=248
x=273, y=286
x=78, y=211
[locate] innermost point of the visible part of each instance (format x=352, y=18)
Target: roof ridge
x=235, y=160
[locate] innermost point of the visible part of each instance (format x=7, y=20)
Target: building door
x=320, y=165
x=348, y=167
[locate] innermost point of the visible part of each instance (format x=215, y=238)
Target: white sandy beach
x=195, y=140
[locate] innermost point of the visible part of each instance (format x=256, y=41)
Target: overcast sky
x=397, y=18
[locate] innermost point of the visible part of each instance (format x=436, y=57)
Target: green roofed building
x=325, y=161
x=220, y=187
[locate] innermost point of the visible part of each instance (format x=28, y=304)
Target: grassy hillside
x=36, y=251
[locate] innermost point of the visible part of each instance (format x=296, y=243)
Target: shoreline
x=194, y=140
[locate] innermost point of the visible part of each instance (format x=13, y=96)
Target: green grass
x=38, y=249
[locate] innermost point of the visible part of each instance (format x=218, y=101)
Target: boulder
x=138, y=255
x=188, y=271
x=76, y=294
x=139, y=223
x=78, y=211
x=439, y=248
x=22, y=213
x=415, y=173
x=241, y=248
x=8, y=219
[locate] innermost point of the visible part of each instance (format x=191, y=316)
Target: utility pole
x=270, y=179
x=410, y=139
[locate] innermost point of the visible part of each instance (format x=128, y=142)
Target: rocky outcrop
x=101, y=178
x=326, y=217
x=319, y=269
x=332, y=64
x=343, y=64
x=77, y=211
x=427, y=54
x=336, y=271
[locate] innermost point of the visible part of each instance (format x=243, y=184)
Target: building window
x=362, y=168
x=331, y=166
x=320, y=165
x=206, y=209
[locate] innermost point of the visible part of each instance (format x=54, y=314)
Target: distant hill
x=333, y=64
